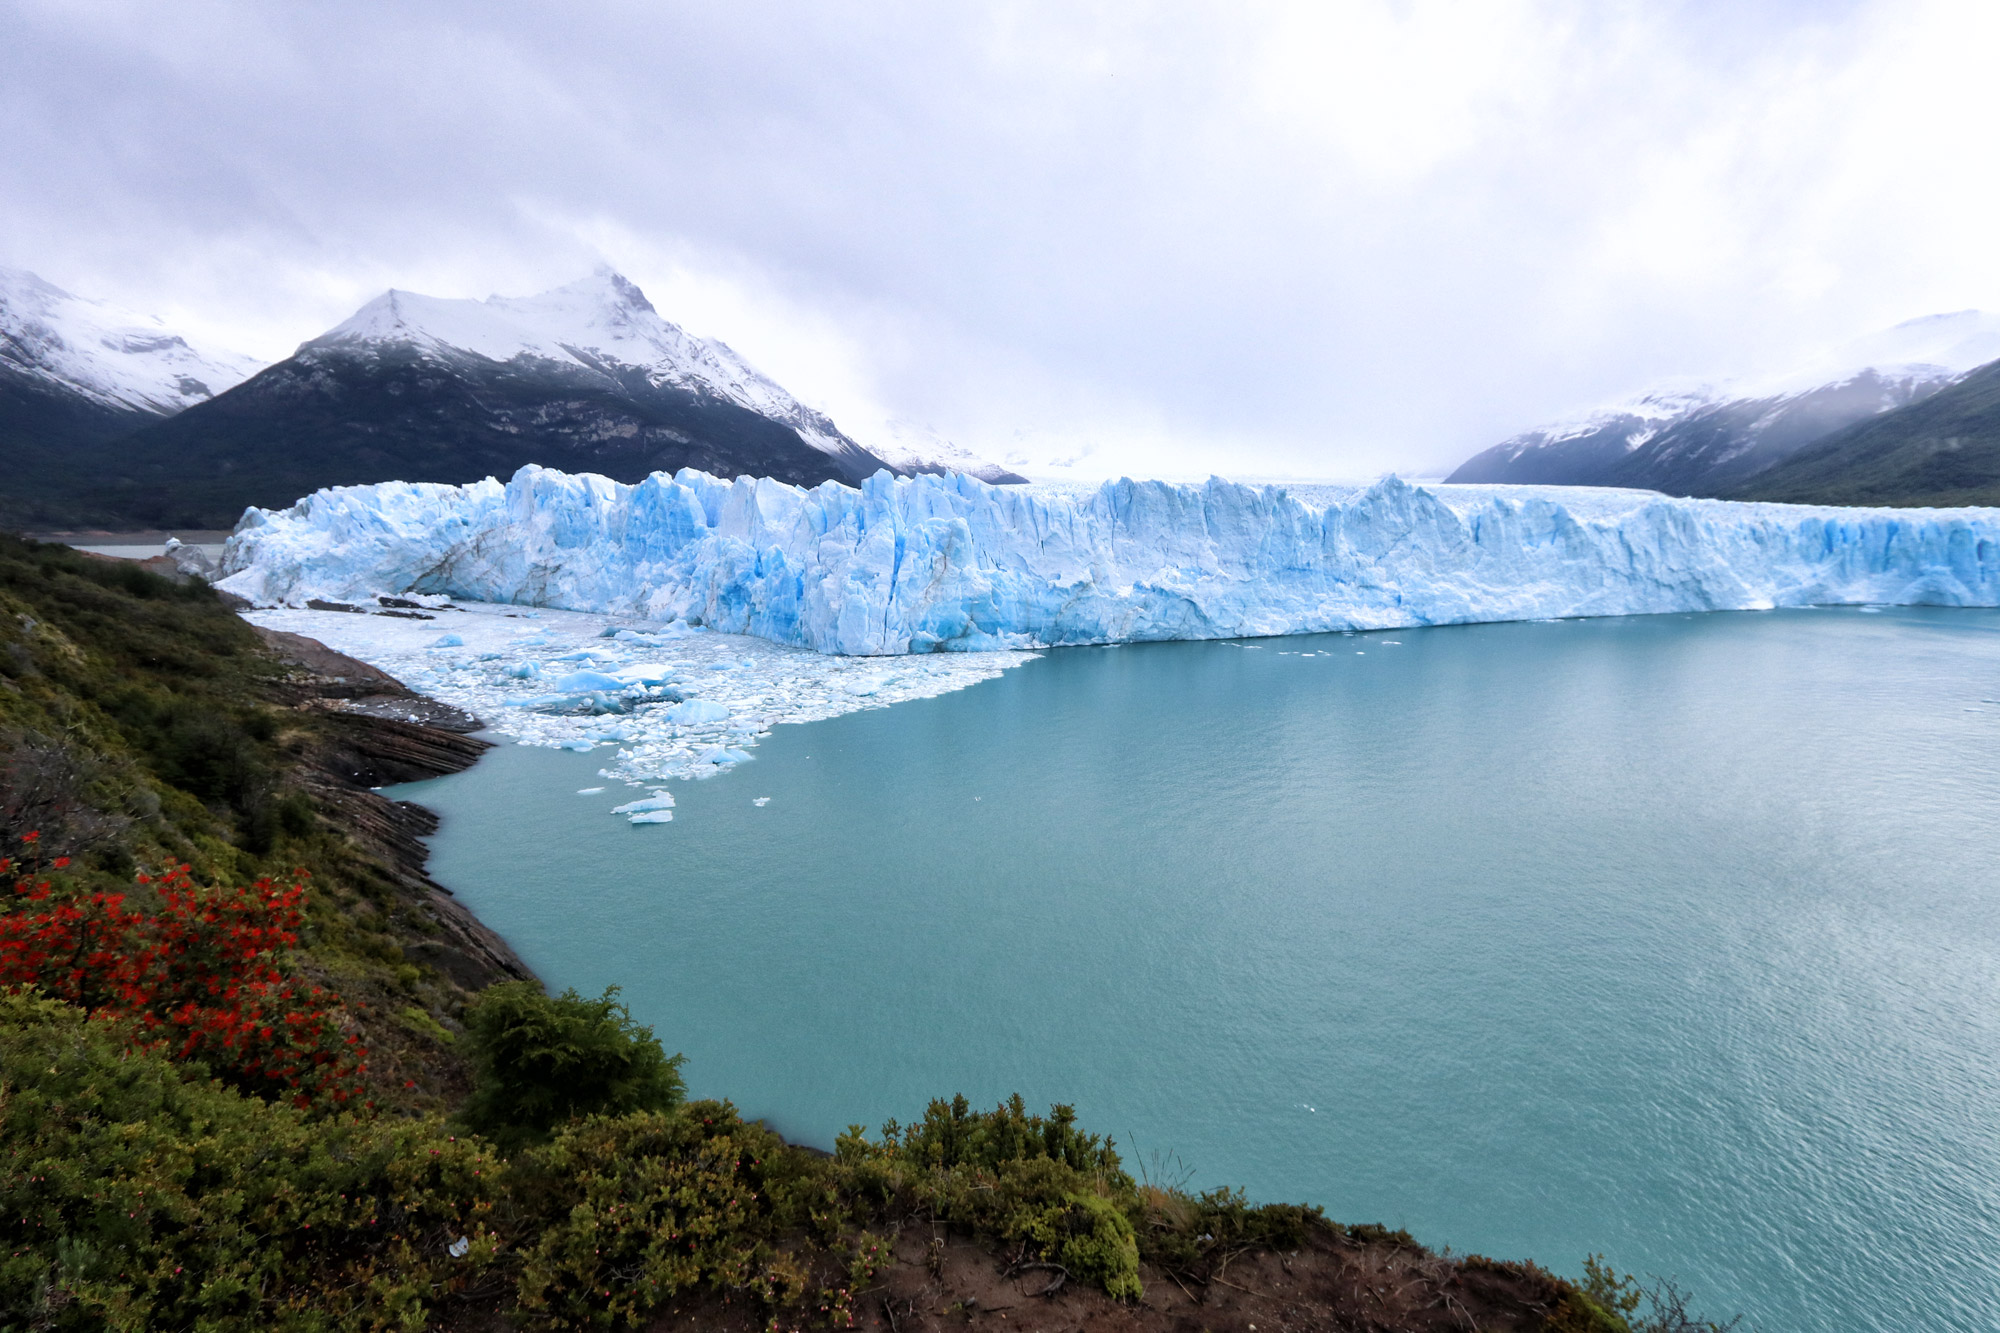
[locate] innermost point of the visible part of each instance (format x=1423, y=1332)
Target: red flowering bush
x=196, y=978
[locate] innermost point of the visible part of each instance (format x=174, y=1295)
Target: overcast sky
x=1316, y=239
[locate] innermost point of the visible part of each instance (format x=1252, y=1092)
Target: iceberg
x=657, y=801
x=930, y=563
x=583, y=682
x=696, y=711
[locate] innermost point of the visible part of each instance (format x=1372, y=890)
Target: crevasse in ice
x=925, y=563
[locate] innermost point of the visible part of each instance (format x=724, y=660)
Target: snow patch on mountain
x=604, y=323
x=911, y=447
x=600, y=322
x=1926, y=352
x=949, y=563
x=1932, y=347
x=114, y=357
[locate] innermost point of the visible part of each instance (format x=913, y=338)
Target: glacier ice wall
x=926, y=563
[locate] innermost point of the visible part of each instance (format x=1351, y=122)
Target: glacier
x=930, y=563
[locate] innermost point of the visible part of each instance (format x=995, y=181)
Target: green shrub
x=953, y=1134
x=1089, y=1237
x=541, y=1060
x=644, y=1206
x=139, y=1198
x=1028, y=1178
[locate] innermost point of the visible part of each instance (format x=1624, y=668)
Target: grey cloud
x=1069, y=213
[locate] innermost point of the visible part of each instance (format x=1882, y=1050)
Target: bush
x=138, y=1198
x=195, y=979
x=645, y=1206
x=953, y=1134
x=1028, y=1178
x=543, y=1060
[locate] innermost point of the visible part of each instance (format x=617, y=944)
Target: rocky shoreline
x=386, y=733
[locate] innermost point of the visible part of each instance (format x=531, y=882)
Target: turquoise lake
x=1676, y=938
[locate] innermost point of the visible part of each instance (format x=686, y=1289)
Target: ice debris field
x=658, y=701
x=915, y=565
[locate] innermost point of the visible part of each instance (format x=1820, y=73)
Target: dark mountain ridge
x=339, y=414
x=1943, y=450
x=585, y=378
x=1704, y=449
x=1721, y=440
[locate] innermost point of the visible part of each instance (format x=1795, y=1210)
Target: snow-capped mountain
x=112, y=358
x=911, y=447
x=1709, y=438
x=75, y=376
x=586, y=377
x=603, y=327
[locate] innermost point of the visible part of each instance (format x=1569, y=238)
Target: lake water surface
x=1673, y=937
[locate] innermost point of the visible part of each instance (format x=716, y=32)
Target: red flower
x=201, y=969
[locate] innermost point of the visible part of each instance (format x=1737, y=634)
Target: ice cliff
x=929, y=563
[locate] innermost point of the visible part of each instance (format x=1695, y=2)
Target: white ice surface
x=746, y=686
x=929, y=563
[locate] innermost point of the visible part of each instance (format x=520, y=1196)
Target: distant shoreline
x=136, y=537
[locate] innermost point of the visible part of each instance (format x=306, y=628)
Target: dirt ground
x=938, y=1282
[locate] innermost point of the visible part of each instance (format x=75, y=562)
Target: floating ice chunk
x=580, y=745
x=449, y=641
x=722, y=754
x=693, y=711
x=639, y=673
x=524, y=671
x=590, y=703
x=580, y=682
x=490, y=657
x=653, y=817
x=659, y=800
x=761, y=802
x=588, y=791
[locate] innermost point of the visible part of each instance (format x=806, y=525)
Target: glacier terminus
x=929, y=563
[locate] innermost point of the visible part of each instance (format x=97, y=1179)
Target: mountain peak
x=1707, y=439
x=117, y=358
x=620, y=289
